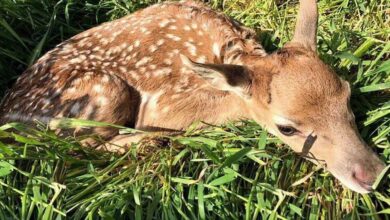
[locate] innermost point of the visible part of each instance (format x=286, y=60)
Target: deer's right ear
x=228, y=77
x=306, y=27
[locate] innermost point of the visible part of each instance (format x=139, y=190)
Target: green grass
x=234, y=171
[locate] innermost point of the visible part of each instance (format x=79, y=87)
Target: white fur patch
x=162, y=72
x=102, y=100
x=280, y=120
x=143, y=61
x=187, y=28
x=160, y=42
x=137, y=43
x=173, y=37
x=134, y=75
x=216, y=50
x=167, y=61
x=201, y=59
x=153, y=48
x=71, y=89
x=191, y=48
x=97, y=88
x=164, y=23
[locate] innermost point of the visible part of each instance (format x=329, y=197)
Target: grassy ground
x=235, y=171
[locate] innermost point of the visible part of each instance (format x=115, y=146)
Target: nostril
x=362, y=175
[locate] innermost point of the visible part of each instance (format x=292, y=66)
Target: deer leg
x=99, y=97
x=83, y=95
x=122, y=143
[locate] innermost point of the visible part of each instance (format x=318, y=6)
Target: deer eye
x=248, y=36
x=287, y=130
x=229, y=44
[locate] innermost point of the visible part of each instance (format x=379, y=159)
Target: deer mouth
x=356, y=185
x=351, y=182
x=364, y=185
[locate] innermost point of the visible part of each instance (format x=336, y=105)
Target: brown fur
x=166, y=66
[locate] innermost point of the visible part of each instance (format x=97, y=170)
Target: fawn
x=166, y=66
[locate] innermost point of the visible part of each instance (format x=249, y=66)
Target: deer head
x=298, y=98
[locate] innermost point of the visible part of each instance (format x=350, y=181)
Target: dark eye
x=248, y=36
x=230, y=44
x=287, y=130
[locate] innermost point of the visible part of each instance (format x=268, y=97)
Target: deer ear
x=306, y=27
x=226, y=77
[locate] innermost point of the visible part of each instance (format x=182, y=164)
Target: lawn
x=232, y=171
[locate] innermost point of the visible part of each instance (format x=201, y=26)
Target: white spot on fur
x=123, y=69
x=164, y=23
x=142, y=69
x=191, y=48
x=160, y=42
x=143, y=61
x=173, y=37
x=173, y=53
x=216, y=49
x=71, y=90
x=134, y=75
x=96, y=48
x=162, y=72
x=153, y=48
x=56, y=78
x=16, y=106
x=143, y=29
x=97, y=88
x=41, y=78
x=167, y=61
x=104, y=41
x=165, y=109
x=102, y=100
x=46, y=102
x=130, y=48
x=137, y=43
x=176, y=96
x=123, y=46
x=201, y=59
x=77, y=81
x=134, y=55
x=187, y=28
x=205, y=26
x=128, y=58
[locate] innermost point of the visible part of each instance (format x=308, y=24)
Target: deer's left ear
x=228, y=77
